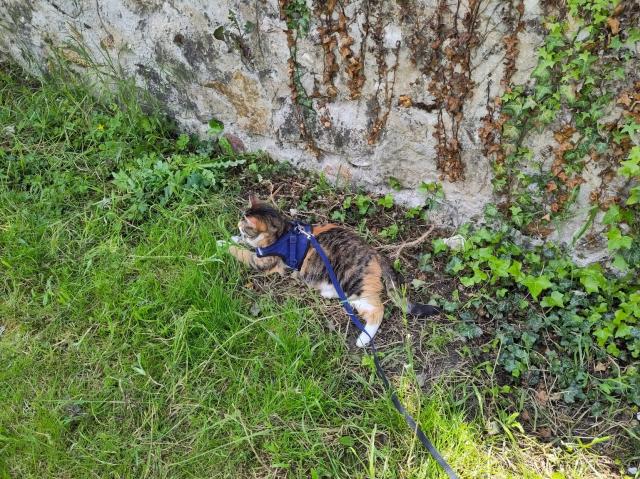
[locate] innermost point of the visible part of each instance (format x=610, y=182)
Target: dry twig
x=406, y=244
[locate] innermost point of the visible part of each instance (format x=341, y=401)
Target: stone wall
x=363, y=90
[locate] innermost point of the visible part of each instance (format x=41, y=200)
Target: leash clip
x=300, y=229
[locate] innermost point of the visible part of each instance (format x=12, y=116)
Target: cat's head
x=262, y=224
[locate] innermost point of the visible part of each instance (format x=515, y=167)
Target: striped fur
x=363, y=272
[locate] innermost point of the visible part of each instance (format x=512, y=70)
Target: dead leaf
x=542, y=396
x=108, y=42
x=573, y=182
x=600, y=367
x=556, y=396
x=405, y=101
x=614, y=25
x=545, y=433
x=624, y=99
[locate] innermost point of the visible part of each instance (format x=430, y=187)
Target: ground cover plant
x=132, y=347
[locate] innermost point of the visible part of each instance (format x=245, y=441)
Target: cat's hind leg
x=368, y=302
x=371, y=310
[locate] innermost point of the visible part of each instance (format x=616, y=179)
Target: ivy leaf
x=617, y=240
x=218, y=33
x=483, y=254
x=516, y=270
x=624, y=331
x=215, y=126
x=386, y=202
x=631, y=128
x=478, y=276
x=467, y=281
x=556, y=298
x=612, y=215
x=634, y=196
x=499, y=267
x=536, y=284
x=620, y=263
x=592, y=278
x=394, y=183
x=613, y=350
x=454, y=266
x=631, y=167
x=439, y=245
x=602, y=334
x=427, y=188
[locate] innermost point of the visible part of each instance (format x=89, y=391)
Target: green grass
x=130, y=350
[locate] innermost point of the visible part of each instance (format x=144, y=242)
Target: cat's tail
x=397, y=292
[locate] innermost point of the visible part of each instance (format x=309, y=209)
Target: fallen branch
x=406, y=244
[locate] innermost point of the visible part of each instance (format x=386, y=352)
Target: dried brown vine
x=327, y=30
x=451, y=82
x=334, y=34
x=491, y=127
x=389, y=86
x=302, y=102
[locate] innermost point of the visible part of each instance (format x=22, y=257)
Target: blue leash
x=381, y=374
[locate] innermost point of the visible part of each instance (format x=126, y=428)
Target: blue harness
x=292, y=246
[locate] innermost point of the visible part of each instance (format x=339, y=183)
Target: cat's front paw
x=223, y=244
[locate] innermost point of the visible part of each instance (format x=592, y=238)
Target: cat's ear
x=253, y=201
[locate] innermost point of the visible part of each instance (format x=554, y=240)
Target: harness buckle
x=300, y=229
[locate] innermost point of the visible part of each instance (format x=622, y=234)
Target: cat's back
x=344, y=246
x=334, y=235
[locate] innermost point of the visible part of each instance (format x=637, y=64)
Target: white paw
x=365, y=337
x=236, y=239
x=328, y=291
x=363, y=340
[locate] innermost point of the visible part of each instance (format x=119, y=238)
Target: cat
x=363, y=272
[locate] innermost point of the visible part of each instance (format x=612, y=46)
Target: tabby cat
x=362, y=271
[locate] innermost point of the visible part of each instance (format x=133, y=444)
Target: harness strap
x=381, y=374
x=293, y=240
